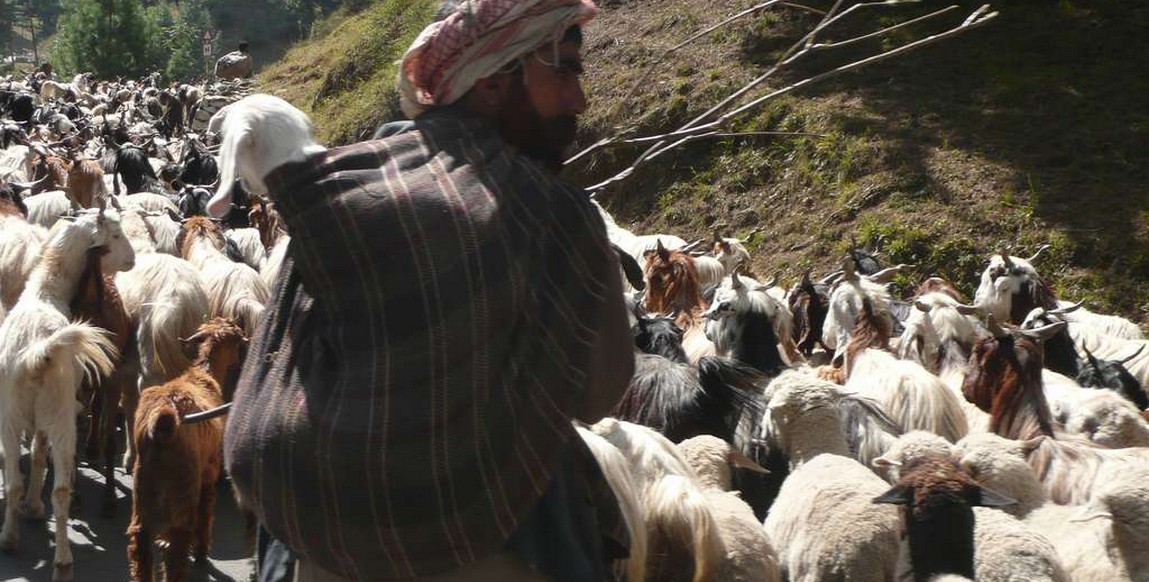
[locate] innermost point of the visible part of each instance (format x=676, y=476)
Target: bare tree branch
x=693, y=131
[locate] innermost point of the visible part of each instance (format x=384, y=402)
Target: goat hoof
x=62, y=573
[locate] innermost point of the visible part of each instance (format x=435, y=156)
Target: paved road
x=99, y=546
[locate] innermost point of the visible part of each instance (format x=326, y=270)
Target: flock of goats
x=825, y=432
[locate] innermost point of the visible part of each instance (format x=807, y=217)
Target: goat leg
x=110, y=395
x=204, y=521
x=140, y=566
x=176, y=555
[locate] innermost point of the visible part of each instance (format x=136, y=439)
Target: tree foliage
x=107, y=37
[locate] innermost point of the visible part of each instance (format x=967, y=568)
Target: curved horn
x=1126, y=359
x=806, y=282
x=206, y=415
x=774, y=280
x=886, y=275
x=690, y=247
x=964, y=309
x=735, y=282
x=994, y=328
x=1091, y=358
x=1040, y=249
x=1044, y=332
x=831, y=278
x=18, y=186
x=1067, y=309
x=193, y=337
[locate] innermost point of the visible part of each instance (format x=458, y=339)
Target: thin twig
x=690, y=131
x=887, y=30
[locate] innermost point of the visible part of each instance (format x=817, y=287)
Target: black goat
x=199, y=167
x=1112, y=374
x=133, y=168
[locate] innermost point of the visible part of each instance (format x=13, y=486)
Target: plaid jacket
x=429, y=343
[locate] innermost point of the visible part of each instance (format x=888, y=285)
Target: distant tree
x=182, y=42
x=107, y=37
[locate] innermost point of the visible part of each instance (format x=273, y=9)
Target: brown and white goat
x=672, y=283
x=98, y=301
x=179, y=461
x=1004, y=379
x=234, y=290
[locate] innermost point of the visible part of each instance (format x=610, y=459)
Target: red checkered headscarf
x=475, y=41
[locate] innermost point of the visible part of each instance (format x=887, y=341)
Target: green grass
x=345, y=76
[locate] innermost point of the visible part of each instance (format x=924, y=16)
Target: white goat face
x=109, y=234
x=999, y=283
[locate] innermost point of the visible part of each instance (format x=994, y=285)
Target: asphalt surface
x=99, y=544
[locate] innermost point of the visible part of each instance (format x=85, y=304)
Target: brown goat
x=98, y=300
x=672, y=283
x=53, y=170
x=266, y=219
x=1004, y=379
x=871, y=331
x=939, y=285
x=199, y=227
x=810, y=304
x=178, y=462
x=86, y=183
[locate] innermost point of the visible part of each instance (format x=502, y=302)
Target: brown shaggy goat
x=199, y=227
x=86, y=183
x=178, y=462
x=1004, y=379
x=672, y=283
x=53, y=170
x=265, y=218
x=98, y=301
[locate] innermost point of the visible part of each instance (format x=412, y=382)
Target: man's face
x=540, y=115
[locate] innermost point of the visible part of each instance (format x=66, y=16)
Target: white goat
x=846, y=304
x=250, y=245
x=682, y=535
x=626, y=488
x=43, y=359
x=260, y=133
x=1110, y=325
x=46, y=208
x=20, y=244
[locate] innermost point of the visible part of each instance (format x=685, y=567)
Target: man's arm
x=613, y=361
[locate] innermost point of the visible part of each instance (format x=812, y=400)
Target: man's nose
x=576, y=99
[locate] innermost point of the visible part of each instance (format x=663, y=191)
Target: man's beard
x=546, y=140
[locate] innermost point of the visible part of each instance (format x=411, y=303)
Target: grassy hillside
x=1030, y=130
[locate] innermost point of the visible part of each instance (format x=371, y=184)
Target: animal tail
x=88, y=348
x=161, y=326
x=680, y=523
x=164, y=423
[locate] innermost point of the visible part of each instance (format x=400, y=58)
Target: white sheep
x=1087, y=550
x=1100, y=415
x=749, y=554
x=43, y=359
x=851, y=538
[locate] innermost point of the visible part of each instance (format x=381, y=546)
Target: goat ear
x=738, y=460
x=661, y=250
x=897, y=495
x=884, y=462
x=967, y=309
x=923, y=307
x=989, y=498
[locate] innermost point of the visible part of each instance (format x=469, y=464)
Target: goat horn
x=1126, y=359
x=115, y=202
x=735, y=283
x=717, y=237
x=886, y=275
x=1038, y=253
x=690, y=247
x=994, y=328
x=1044, y=332
x=206, y=415
x=1067, y=309
x=1005, y=258
x=773, y=280
x=806, y=282
x=28, y=185
x=964, y=309
x=848, y=270
x=1089, y=355
x=831, y=278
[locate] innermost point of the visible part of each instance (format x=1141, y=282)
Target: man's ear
x=490, y=93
